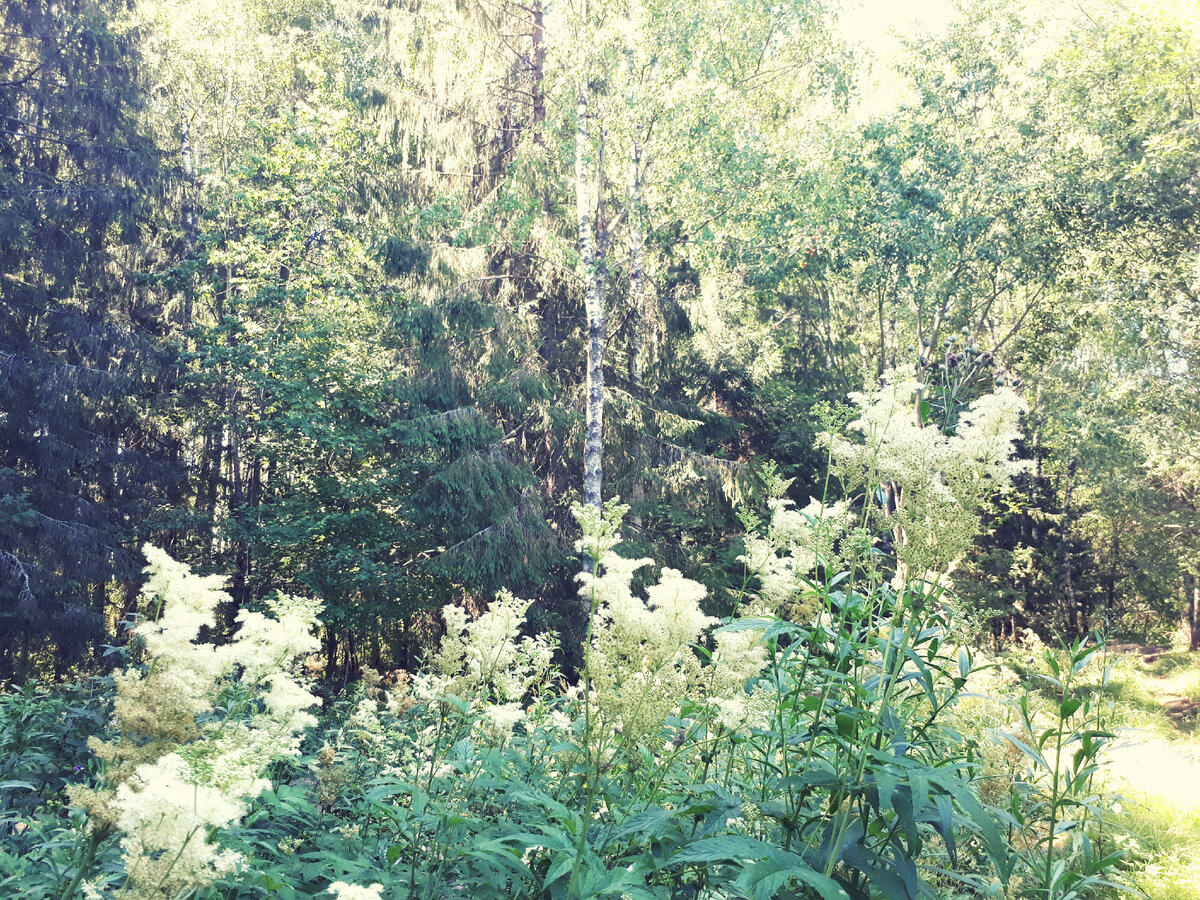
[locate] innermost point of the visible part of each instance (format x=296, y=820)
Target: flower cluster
x=343, y=891
x=641, y=662
x=487, y=658
x=796, y=543
x=180, y=770
x=930, y=482
x=489, y=664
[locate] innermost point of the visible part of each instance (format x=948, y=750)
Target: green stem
x=1055, y=795
x=95, y=839
x=591, y=757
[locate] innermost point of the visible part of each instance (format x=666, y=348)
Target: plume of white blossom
x=641, y=662
x=737, y=657
x=938, y=480
x=487, y=658
x=165, y=819
x=796, y=542
x=343, y=891
x=176, y=781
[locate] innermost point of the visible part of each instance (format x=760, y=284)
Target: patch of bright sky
x=876, y=30
x=879, y=25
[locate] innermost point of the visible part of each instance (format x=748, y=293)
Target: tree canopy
x=339, y=296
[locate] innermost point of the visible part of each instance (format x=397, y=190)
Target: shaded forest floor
x=1154, y=766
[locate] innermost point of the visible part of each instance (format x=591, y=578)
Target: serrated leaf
x=643, y=822
x=764, y=880
x=723, y=849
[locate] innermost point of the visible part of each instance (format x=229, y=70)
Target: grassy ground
x=1154, y=766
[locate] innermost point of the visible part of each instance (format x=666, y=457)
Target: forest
x=630, y=449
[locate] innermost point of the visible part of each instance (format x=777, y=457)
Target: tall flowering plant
x=197, y=726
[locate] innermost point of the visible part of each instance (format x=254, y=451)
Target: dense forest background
x=322, y=293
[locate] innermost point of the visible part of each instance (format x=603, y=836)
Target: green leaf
x=1026, y=749
x=885, y=783
x=995, y=843
x=562, y=866
x=550, y=838
x=893, y=885
x=270, y=882
x=764, y=880
x=747, y=624
x=725, y=848
x=845, y=723
x=645, y=822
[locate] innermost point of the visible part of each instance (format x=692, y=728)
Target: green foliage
x=43, y=741
x=1058, y=803
x=842, y=775
x=44, y=745
x=81, y=460
x=841, y=783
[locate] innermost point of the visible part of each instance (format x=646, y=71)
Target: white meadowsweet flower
x=731, y=711
x=675, y=607
x=169, y=814
x=641, y=661
x=188, y=602
x=429, y=686
x=504, y=717
x=262, y=643
x=935, y=480
x=599, y=528
x=343, y=891
x=737, y=657
x=559, y=720
x=487, y=657
x=168, y=809
x=287, y=702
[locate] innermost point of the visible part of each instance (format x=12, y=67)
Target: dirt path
x=1156, y=772
x=1149, y=762
x=1168, y=691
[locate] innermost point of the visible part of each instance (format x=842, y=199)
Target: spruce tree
x=81, y=464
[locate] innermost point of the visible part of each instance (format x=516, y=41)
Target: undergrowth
x=831, y=738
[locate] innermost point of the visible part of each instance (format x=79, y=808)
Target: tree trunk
x=210, y=480
x=331, y=649
x=637, y=281
x=538, y=71
x=1191, y=609
x=593, y=306
x=1068, y=583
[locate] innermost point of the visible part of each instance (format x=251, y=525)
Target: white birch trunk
x=593, y=306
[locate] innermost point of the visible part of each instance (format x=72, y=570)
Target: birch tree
x=591, y=262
